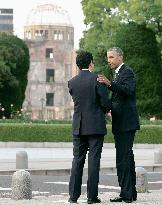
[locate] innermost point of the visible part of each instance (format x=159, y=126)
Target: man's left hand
x=103, y=79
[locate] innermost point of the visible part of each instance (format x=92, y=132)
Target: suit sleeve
x=126, y=85
x=104, y=100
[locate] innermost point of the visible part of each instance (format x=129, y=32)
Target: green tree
x=143, y=55
x=104, y=17
x=147, y=12
x=97, y=11
x=14, y=65
x=102, y=23
x=93, y=43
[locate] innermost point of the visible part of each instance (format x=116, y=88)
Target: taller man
x=89, y=127
x=125, y=122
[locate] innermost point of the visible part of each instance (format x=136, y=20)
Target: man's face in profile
x=114, y=59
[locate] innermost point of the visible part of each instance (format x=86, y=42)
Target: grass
x=18, y=132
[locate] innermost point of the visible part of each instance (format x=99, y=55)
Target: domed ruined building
x=49, y=35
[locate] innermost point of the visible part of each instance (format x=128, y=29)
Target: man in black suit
x=125, y=122
x=91, y=102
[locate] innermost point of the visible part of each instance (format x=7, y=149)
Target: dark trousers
x=125, y=163
x=81, y=144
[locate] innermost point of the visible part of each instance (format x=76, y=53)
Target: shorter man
x=89, y=127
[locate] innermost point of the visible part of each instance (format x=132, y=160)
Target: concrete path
x=58, y=156
x=154, y=198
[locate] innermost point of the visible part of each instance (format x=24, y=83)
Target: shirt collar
x=86, y=69
x=118, y=68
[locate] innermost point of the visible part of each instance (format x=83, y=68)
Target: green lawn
x=151, y=134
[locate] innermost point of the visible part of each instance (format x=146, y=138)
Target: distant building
x=49, y=35
x=6, y=20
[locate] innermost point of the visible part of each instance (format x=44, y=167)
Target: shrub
x=151, y=134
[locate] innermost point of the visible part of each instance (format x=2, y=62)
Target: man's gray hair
x=117, y=50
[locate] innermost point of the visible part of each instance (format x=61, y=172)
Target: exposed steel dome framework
x=48, y=14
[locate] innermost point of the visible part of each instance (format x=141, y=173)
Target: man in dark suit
x=125, y=122
x=91, y=102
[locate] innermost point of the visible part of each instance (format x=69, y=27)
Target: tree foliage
x=143, y=55
x=147, y=12
x=104, y=19
x=97, y=11
x=14, y=65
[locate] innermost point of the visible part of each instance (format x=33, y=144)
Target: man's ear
x=90, y=65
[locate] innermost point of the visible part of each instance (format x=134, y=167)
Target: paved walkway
x=56, y=158
x=154, y=198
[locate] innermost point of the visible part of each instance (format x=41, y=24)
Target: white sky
x=22, y=9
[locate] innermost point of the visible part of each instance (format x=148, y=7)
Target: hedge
x=151, y=134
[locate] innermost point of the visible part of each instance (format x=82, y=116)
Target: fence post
x=141, y=180
x=21, y=160
x=21, y=185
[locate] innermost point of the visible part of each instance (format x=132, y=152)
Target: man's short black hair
x=83, y=59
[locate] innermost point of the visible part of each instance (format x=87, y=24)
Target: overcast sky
x=22, y=9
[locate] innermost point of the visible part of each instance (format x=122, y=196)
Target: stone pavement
x=154, y=198
x=55, y=158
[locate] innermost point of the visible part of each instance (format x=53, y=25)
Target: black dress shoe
x=134, y=198
x=93, y=201
x=127, y=200
x=72, y=201
x=117, y=199
x=120, y=199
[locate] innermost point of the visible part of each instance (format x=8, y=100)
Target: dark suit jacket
x=90, y=104
x=124, y=111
